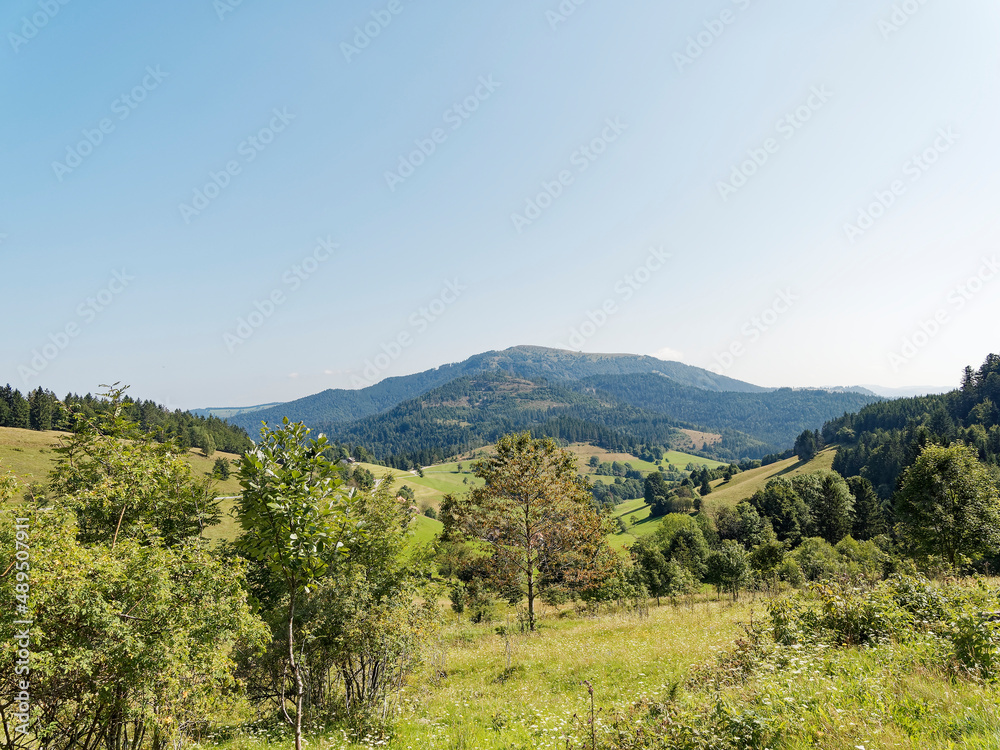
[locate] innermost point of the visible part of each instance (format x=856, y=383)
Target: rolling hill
x=774, y=417
x=532, y=362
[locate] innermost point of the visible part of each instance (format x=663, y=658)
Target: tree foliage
x=948, y=504
x=536, y=518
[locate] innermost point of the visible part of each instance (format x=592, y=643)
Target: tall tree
x=41, y=408
x=656, y=493
x=831, y=507
x=948, y=504
x=869, y=520
x=806, y=445
x=536, y=518
x=295, y=520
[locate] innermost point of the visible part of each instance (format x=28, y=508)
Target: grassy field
x=28, y=454
x=743, y=485
x=709, y=673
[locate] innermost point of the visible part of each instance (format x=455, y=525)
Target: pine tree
x=869, y=520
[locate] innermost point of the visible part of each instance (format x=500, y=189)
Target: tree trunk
x=297, y=671
x=531, y=601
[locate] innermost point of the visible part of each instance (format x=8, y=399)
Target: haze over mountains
x=617, y=400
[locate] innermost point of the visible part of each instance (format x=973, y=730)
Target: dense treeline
x=773, y=418
x=43, y=410
x=883, y=439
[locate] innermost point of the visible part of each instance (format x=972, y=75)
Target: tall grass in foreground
x=895, y=667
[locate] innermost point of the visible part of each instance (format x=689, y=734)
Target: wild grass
x=706, y=676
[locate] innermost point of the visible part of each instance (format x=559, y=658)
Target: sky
x=224, y=202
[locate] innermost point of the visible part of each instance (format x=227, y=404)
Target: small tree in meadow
x=295, y=520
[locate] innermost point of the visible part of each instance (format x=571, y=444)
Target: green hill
x=730, y=493
x=29, y=456
x=773, y=418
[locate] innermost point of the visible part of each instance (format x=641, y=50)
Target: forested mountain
x=475, y=410
x=43, y=410
x=340, y=405
x=883, y=439
x=773, y=417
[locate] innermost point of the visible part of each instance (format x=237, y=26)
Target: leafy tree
x=295, y=520
x=536, y=518
x=656, y=492
x=363, y=478
x=129, y=645
x=652, y=565
x=786, y=510
x=120, y=483
x=817, y=559
x=948, y=504
x=743, y=524
x=869, y=520
x=685, y=545
x=729, y=568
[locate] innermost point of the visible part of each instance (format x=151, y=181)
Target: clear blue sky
x=634, y=115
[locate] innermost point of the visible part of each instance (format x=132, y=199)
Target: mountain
x=619, y=412
x=340, y=405
x=475, y=410
x=774, y=417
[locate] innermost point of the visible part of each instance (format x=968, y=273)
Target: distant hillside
x=532, y=362
x=882, y=439
x=226, y=412
x=477, y=410
x=775, y=417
